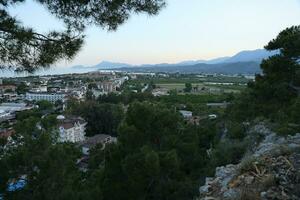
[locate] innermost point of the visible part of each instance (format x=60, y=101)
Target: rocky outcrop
x=272, y=171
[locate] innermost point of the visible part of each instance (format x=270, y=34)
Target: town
x=26, y=93
x=22, y=94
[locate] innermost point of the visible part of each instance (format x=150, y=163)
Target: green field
x=203, y=88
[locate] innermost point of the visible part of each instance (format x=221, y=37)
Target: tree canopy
x=275, y=92
x=24, y=49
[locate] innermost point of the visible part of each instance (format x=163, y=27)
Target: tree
x=92, y=86
x=154, y=157
x=50, y=170
x=49, y=122
x=44, y=105
x=24, y=49
x=8, y=91
x=101, y=118
x=188, y=87
x=278, y=86
x=280, y=70
x=89, y=95
x=22, y=88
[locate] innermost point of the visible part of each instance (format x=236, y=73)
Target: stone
x=279, y=159
x=249, y=180
x=204, y=189
x=263, y=195
x=230, y=194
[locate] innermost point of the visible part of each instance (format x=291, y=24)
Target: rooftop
x=68, y=123
x=93, y=141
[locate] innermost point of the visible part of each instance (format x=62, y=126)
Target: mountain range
x=244, y=62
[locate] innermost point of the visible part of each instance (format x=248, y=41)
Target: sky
x=183, y=30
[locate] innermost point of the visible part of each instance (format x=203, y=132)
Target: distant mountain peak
x=110, y=65
x=256, y=55
x=245, y=56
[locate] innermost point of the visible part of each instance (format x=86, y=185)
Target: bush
x=227, y=152
x=247, y=164
x=236, y=130
x=285, y=129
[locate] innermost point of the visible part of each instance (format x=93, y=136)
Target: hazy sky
x=184, y=30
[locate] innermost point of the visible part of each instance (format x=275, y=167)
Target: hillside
x=270, y=170
x=224, y=68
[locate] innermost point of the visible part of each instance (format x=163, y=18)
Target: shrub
x=247, y=164
x=236, y=130
x=228, y=152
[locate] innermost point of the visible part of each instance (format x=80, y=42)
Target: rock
x=261, y=129
x=204, y=189
x=209, y=198
x=277, y=177
x=230, y=194
x=263, y=195
x=249, y=180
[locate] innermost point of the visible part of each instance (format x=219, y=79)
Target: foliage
x=274, y=92
x=50, y=169
x=236, y=130
x=155, y=158
x=28, y=113
x=89, y=95
x=44, y=105
x=227, y=151
x=49, y=122
x=188, y=87
x=125, y=97
x=92, y=86
x=22, y=88
x=101, y=118
x=27, y=127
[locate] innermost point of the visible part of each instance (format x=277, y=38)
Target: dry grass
x=268, y=181
x=247, y=164
x=248, y=193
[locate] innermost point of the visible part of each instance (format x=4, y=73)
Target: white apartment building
x=39, y=96
x=71, y=130
x=186, y=114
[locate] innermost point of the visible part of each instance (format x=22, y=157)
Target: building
x=71, y=129
x=8, y=110
x=98, y=93
x=11, y=97
x=51, y=97
x=92, y=142
x=107, y=86
x=218, y=105
x=77, y=94
x=186, y=114
x=120, y=81
x=160, y=92
x=39, y=88
x=6, y=88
